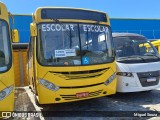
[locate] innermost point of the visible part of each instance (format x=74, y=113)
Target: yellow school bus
x=156, y=44
x=70, y=55
x=6, y=62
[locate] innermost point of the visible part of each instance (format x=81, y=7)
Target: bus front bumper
x=71, y=93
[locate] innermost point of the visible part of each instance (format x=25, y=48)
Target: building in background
x=147, y=27
x=22, y=23
x=150, y=28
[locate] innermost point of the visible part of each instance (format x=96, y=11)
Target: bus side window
x=2, y=58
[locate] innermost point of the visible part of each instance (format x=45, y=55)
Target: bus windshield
x=5, y=54
x=133, y=46
x=74, y=44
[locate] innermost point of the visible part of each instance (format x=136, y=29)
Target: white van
x=138, y=68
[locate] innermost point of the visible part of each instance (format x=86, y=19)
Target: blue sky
x=115, y=8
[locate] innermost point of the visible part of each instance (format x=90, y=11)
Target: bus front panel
x=70, y=84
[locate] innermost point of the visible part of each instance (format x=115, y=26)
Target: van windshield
x=133, y=46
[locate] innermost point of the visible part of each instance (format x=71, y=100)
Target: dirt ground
x=117, y=104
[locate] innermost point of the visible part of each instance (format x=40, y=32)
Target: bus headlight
x=4, y=93
x=127, y=74
x=48, y=85
x=110, y=79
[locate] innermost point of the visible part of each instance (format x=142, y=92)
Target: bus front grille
x=143, y=76
x=80, y=74
x=73, y=97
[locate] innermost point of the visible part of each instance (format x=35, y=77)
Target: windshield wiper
x=134, y=56
x=150, y=54
x=122, y=58
x=137, y=57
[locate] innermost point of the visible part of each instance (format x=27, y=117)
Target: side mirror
x=15, y=35
x=33, y=29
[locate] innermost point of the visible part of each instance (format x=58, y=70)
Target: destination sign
x=78, y=14
x=57, y=27
x=72, y=27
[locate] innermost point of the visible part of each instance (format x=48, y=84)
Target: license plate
x=82, y=95
x=151, y=79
